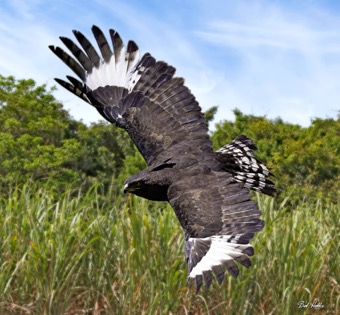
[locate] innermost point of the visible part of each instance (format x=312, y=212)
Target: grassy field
x=83, y=254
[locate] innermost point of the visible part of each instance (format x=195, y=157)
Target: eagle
x=208, y=190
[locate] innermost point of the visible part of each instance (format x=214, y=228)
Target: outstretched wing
x=142, y=96
x=219, y=218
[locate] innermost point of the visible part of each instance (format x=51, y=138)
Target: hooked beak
x=125, y=188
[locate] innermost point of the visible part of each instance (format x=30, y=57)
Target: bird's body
x=208, y=190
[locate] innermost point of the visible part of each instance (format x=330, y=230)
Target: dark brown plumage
x=208, y=190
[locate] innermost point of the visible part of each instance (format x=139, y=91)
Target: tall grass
x=82, y=254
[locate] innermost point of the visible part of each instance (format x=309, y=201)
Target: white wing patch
x=134, y=76
x=121, y=72
x=223, y=252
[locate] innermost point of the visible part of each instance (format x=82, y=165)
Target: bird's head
x=135, y=184
x=151, y=184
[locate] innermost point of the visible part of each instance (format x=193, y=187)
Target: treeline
x=41, y=142
x=304, y=161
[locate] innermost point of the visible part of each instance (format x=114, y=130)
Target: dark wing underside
x=142, y=96
x=165, y=123
x=211, y=203
x=219, y=218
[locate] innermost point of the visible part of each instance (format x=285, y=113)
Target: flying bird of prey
x=209, y=191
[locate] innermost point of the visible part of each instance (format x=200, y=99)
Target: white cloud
x=264, y=58
x=287, y=65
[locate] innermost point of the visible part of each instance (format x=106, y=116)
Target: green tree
x=108, y=155
x=305, y=161
x=209, y=114
x=37, y=136
x=40, y=141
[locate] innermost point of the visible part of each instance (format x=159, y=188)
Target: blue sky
x=273, y=58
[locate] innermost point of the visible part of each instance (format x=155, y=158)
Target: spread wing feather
x=219, y=218
x=142, y=96
x=82, y=58
x=239, y=159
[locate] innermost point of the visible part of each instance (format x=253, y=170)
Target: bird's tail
x=238, y=158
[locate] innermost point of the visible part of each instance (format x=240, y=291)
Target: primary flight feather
x=208, y=190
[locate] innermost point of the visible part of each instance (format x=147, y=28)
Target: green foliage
x=210, y=114
x=67, y=250
x=305, y=161
x=80, y=255
x=39, y=141
x=103, y=153
x=37, y=137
